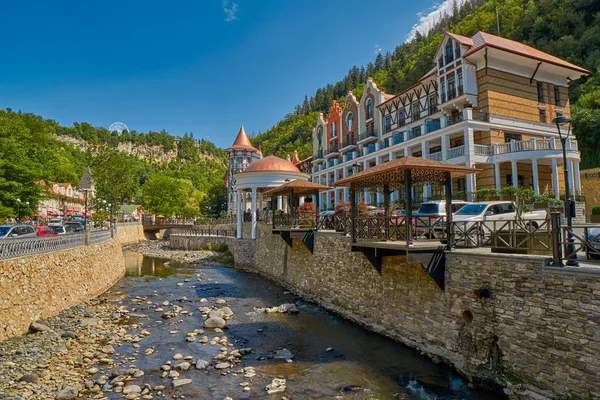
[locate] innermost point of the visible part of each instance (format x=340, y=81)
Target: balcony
x=397, y=138
x=460, y=90
x=443, y=97
x=534, y=144
x=480, y=116
x=456, y=152
x=384, y=144
x=454, y=119
x=332, y=151
x=451, y=94
x=435, y=156
x=481, y=150
x=415, y=132
x=387, y=128
x=349, y=144
x=432, y=125
x=368, y=136
x=318, y=155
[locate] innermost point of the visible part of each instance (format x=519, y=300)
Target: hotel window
x=556, y=95
x=451, y=86
x=401, y=117
x=432, y=104
x=333, y=130
x=416, y=111
x=369, y=109
x=415, y=132
x=460, y=81
x=388, y=123
x=449, y=52
x=540, y=92
x=442, y=90
x=441, y=62
x=542, y=115
x=510, y=137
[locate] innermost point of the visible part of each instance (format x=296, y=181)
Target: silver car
x=17, y=231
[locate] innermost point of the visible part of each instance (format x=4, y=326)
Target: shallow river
x=333, y=358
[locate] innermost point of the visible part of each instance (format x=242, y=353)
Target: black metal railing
x=318, y=155
x=451, y=94
x=460, y=90
x=443, y=97
x=349, y=142
x=481, y=116
x=384, y=144
x=455, y=119
x=370, y=133
x=333, y=148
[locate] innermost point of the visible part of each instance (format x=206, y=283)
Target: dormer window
x=369, y=109
x=449, y=52
x=320, y=135
x=441, y=62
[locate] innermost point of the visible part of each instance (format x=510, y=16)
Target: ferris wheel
x=119, y=127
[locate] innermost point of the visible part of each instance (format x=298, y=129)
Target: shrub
x=485, y=193
x=307, y=208
x=221, y=248
x=596, y=210
x=208, y=246
x=341, y=207
x=362, y=209
x=552, y=202
x=508, y=191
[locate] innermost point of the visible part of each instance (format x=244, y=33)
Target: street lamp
x=27, y=203
x=569, y=206
x=18, y=209
x=86, y=183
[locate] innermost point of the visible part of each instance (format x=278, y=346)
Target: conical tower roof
x=241, y=142
x=296, y=160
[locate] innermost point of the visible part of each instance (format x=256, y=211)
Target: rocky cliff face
x=150, y=154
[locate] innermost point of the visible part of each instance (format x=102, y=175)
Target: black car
x=75, y=226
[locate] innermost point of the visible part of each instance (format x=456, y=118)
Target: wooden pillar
x=353, y=212
x=273, y=208
x=316, y=201
x=449, y=227
x=408, y=201
x=292, y=204
x=386, y=208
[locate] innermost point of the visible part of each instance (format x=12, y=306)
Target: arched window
x=349, y=120
x=369, y=109
x=320, y=135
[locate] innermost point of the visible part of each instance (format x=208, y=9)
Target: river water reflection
x=359, y=365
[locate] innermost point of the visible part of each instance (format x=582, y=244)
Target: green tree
x=162, y=194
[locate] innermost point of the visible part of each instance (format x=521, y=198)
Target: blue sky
x=203, y=66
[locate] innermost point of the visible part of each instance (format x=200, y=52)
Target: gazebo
x=266, y=173
x=388, y=231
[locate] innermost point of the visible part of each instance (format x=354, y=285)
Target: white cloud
x=377, y=49
x=230, y=9
x=429, y=17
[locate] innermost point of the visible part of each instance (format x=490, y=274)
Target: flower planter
x=595, y=218
x=540, y=206
x=509, y=197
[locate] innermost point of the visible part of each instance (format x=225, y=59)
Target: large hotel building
x=487, y=103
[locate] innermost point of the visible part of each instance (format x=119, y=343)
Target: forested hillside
x=569, y=29
x=30, y=151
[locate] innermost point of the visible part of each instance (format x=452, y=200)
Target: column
x=497, y=175
x=571, y=176
x=239, y=215
x=253, y=211
x=515, y=176
x=379, y=196
x=555, y=179
x=445, y=147
x=301, y=201
x=536, y=183
x=425, y=156
x=279, y=203
x=469, y=139
x=577, y=179
x=346, y=195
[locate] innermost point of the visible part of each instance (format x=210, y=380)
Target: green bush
x=508, y=191
x=221, y=248
x=208, y=246
x=486, y=193
x=596, y=210
x=552, y=202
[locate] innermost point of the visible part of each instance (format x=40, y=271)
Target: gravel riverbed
x=162, y=249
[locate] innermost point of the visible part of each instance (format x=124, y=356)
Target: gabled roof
x=482, y=40
x=461, y=39
x=241, y=142
x=87, y=181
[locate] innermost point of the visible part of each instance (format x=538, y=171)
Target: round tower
x=241, y=154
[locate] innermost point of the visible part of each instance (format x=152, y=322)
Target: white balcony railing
x=435, y=156
x=534, y=144
x=456, y=152
x=481, y=150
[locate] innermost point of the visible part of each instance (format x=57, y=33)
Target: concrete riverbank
x=537, y=334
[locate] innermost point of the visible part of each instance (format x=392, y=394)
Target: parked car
x=61, y=229
x=75, y=226
x=17, y=231
x=430, y=213
x=594, y=238
x=45, y=231
x=490, y=211
x=55, y=221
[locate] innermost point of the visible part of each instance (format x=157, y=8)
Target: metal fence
x=11, y=248
x=209, y=231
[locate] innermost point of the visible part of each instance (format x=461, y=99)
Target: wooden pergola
x=403, y=173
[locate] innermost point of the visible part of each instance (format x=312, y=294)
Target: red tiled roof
x=482, y=40
x=242, y=142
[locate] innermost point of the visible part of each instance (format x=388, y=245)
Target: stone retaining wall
x=242, y=250
x=130, y=234
x=39, y=286
x=537, y=335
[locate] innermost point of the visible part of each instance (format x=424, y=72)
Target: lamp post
x=18, y=209
x=86, y=183
x=566, y=121
x=27, y=204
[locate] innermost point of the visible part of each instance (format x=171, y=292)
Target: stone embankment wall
x=538, y=334
x=130, y=234
x=39, y=286
x=243, y=250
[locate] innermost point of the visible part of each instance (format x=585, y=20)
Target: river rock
x=221, y=301
x=67, y=393
x=132, y=389
x=69, y=335
x=180, y=382
x=215, y=314
x=148, y=352
x=227, y=312
x=38, y=327
x=283, y=354
x=222, y=366
x=184, y=366
x=215, y=322
x=202, y=364
x=177, y=356
x=287, y=308
x=29, y=378
x=278, y=385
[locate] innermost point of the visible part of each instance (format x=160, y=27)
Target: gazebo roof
x=391, y=173
x=299, y=187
